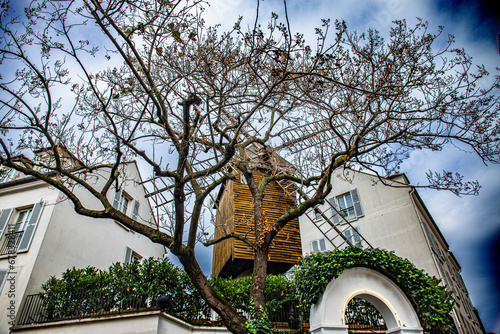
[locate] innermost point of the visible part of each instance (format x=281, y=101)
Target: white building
x=41, y=235
x=390, y=216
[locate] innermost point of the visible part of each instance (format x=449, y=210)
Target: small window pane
x=341, y=201
x=125, y=205
x=6, y=175
x=348, y=200
x=22, y=218
x=346, y=206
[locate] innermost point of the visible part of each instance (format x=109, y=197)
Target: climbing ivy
x=432, y=302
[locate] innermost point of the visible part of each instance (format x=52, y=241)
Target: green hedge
x=122, y=286
x=432, y=302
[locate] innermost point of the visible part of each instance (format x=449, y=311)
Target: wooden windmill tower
x=232, y=257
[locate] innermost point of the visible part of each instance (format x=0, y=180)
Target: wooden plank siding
x=224, y=223
x=286, y=247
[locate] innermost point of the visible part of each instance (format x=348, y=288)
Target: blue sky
x=471, y=225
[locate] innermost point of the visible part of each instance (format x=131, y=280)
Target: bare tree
x=198, y=106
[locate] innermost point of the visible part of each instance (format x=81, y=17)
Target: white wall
x=23, y=196
x=153, y=322
x=390, y=220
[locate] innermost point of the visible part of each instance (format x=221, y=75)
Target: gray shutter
x=29, y=231
x=357, y=205
x=334, y=209
x=4, y=220
x=117, y=199
x=314, y=246
x=128, y=255
x=322, y=245
x=347, y=234
x=135, y=210
x=357, y=237
x=3, y=277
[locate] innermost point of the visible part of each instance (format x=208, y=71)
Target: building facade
x=388, y=213
x=41, y=235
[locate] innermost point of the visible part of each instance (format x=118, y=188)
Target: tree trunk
x=259, y=279
x=230, y=317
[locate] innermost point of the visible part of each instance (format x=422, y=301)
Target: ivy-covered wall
x=432, y=302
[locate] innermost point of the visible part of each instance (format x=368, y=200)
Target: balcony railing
x=11, y=242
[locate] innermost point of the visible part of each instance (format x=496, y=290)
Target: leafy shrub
x=259, y=323
x=279, y=292
x=121, y=287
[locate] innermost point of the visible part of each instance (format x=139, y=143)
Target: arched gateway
x=327, y=315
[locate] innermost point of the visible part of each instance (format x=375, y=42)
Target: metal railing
x=289, y=317
x=11, y=242
x=40, y=308
x=82, y=303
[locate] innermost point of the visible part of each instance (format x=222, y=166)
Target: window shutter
x=334, y=209
x=322, y=245
x=357, y=237
x=4, y=220
x=3, y=277
x=29, y=231
x=348, y=234
x=357, y=204
x=128, y=255
x=314, y=246
x=135, y=210
x=117, y=199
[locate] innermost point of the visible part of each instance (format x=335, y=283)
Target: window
x=123, y=202
x=17, y=228
x=22, y=220
x=131, y=256
x=317, y=214
x=348, y=205
x=352, y=234
x=318, y=245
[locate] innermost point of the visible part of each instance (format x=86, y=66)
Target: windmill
x=233, y=257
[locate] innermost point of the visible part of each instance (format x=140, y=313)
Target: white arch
x=327, y=316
